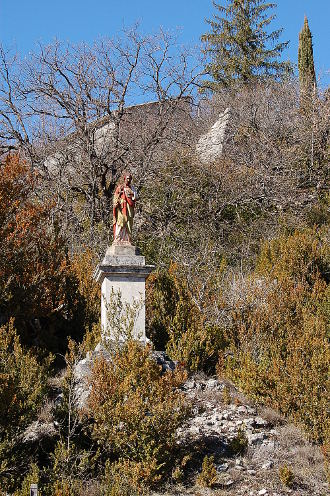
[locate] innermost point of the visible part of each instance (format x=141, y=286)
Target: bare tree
x=69, y=109
x=14, y=115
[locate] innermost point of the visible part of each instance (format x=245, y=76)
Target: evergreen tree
x=240, y=47
x=306, y=59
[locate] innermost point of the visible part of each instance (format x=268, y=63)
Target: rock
x=267, y=465
x=241, y=409
x=58, y=400
x=228, y=483
x=260, y=422
x=256, y=438
x=251, y=472
x=248, y=422
x=38, y=430
x=194, y=429
x=262, y=492
x=223, y=467
x=213, y=384
x=209, y=146
x=190, y=384
x=163, y=360
x=269, y=443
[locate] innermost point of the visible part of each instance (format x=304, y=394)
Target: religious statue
x=123, y=211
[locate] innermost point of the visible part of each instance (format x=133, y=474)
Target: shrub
x=175, y=320
x=125, y=478
x=177, y=474
x=239, y=443
x=23, y=386
x=34, y=268
x=208, y=476
x=71, y=468
x=31, y=478
x=286, y=476
x=226, y=396
x=278, y=334
x=82, y=266
x=136, y=410
x=75, y=458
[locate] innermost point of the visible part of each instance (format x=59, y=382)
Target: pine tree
x=306, y=59
x=240, y=47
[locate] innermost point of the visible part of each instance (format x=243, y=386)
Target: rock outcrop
x=209, y=146
x=272, y=443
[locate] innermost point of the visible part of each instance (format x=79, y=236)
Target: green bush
x=136, y=411
x=239, y=443
x=175, y=321
x=208, y=476
x=286, y=476
x=124, y=478
x=23, y=386
x=31, y=478
x=279, y=331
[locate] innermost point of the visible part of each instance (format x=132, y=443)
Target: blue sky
x=24, y=22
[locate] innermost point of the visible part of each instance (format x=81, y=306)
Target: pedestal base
x=122, y=275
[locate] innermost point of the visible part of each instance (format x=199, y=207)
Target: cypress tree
x=306, y=59
x=307, y=82
x=240, y=47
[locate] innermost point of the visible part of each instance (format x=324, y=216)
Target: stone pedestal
x=123, y=271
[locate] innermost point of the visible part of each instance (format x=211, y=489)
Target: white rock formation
x=209, y=146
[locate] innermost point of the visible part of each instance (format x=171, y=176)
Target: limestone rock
x=163, y=361
x=209, y=146
x=38, y=430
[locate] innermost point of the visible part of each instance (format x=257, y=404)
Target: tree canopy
x=306, y=59
x=240, y=45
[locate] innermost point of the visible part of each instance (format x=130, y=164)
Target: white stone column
x=123, y=271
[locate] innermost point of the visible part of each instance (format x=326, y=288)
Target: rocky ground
x=221, y=416
x=220, y=412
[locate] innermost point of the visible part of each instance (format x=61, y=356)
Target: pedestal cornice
x=123, y=270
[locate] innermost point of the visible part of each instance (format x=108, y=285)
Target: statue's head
x=127, y=179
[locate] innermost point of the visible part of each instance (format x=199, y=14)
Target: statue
x=123, y=211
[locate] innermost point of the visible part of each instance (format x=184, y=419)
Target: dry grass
x=273, y=417
x=305, y=459
x=45, y=414
x=291, y=448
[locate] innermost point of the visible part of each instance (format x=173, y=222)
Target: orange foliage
x=33, y=261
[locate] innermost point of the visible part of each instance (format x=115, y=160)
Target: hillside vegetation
x=241, y=248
